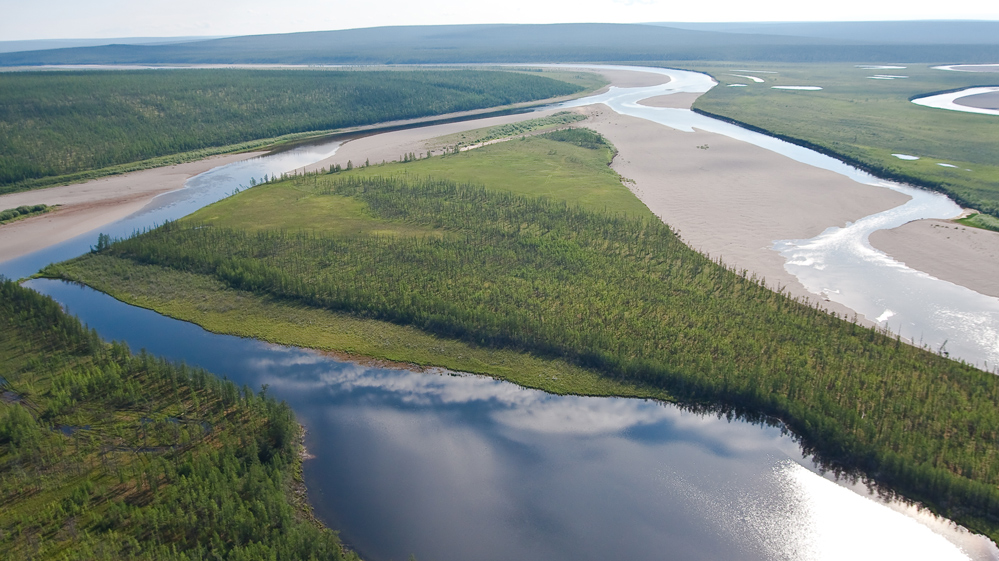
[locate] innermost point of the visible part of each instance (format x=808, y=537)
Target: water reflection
x=449, y=466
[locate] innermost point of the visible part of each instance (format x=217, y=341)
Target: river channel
x=447, y=466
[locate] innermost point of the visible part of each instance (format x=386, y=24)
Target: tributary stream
x=449, y=466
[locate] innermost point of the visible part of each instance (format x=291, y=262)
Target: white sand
x=90, y=205
x=947, y=250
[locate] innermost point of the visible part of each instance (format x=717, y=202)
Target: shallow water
x=448, y=466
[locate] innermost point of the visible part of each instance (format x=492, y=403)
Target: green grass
x=557, y=170
x=106, y=455
x=982, y=221
x=580, y=292
x=560, y=170
x=865, y=121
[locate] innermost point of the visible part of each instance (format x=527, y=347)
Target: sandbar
x=86, y=206
x=947, y=250
x=673, y=101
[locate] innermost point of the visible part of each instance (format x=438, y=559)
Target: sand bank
x=947, y=250
x=86, y=206
x=733, y=200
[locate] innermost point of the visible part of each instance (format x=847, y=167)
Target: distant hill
x=508, y=43
x=46, y=44
x=926, y=32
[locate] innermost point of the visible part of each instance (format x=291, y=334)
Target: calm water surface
x=448, y=466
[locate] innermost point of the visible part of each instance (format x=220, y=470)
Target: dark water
x=465, y=467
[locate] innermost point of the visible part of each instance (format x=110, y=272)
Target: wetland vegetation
x=57, y=127
x=533, y=248
x=109, y=455
x=864, y=121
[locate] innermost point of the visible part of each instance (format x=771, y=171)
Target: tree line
x=59, y=123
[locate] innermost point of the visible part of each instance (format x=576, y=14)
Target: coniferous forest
x=109, y=455
x=624, y=297
x=57, y=123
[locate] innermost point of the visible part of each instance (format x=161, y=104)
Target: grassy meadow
x=529, y=260
x=864, y=121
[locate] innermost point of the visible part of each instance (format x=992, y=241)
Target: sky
x=62, y=19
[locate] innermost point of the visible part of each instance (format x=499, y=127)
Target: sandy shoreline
x=86, y=206
x=949, y=251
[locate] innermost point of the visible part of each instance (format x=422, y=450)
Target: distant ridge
x=46, y=44
x=923, y=32
x=506, y=43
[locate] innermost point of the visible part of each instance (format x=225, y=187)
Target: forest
x=54, y=124
x=109, y=455
x=619, y=295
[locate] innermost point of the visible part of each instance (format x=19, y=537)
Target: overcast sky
x=55, y=19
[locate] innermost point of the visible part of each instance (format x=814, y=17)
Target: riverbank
x=84, y=207
x=947, y=250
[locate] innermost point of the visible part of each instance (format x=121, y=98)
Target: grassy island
x=109, y=455
x=532, y=254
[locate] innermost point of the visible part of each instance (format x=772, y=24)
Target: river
x=452, y=467
x=455, y=467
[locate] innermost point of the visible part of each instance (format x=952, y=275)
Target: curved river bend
x=455, y=467
x=458, y=467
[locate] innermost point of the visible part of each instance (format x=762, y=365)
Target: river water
x=455, y=467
